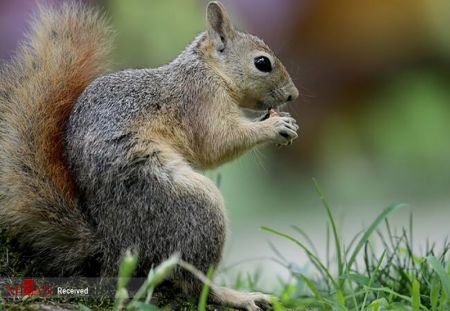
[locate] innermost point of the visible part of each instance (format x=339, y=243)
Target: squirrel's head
x=257, y=77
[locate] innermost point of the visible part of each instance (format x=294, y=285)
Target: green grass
x=356, y=278
x=364, y=279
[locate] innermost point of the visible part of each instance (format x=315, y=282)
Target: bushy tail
x=62, y=54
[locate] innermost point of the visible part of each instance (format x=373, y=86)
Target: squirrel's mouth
x=275, y=108
x=272, y=109
x=263, y=105
x=271, y=102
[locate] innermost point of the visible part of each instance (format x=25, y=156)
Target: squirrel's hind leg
x=201, y=234
x=189, y=283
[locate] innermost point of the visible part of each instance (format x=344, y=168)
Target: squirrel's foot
x=242, y=300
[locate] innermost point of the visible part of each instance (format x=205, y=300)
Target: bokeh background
x=374, y=112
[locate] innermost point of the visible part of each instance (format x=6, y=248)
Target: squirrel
x=93, y=163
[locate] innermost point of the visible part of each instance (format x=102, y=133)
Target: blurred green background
x=374, y=111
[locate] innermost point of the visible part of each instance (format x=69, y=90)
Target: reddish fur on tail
x=64, y=51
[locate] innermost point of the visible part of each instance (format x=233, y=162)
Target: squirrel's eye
x=263, y=64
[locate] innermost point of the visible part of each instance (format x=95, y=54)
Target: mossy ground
x=12, y=264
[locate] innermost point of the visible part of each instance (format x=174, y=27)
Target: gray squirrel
x=94, y=163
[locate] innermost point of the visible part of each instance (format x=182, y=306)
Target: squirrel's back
x=62, y=54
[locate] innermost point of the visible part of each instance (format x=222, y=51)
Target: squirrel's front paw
x=283, y=129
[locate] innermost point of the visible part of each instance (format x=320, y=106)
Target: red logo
x=28, y=288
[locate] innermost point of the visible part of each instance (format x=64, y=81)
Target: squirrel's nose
x=293, y=94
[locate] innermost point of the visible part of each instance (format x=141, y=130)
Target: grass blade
x=306, y=250
x=443, y=276
x=154, y=277
x=127, y=266
x=307, y=238
x=394, y=294
x=340, y=300
x=204, y=294
x=312, y=287
x=370, y=230
x=333, y=226
x=415, y=294
x=434, y=294
x=372, y=278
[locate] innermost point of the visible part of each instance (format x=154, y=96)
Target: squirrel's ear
x=220, y=28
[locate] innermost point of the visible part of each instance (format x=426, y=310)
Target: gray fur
x=134, y=202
